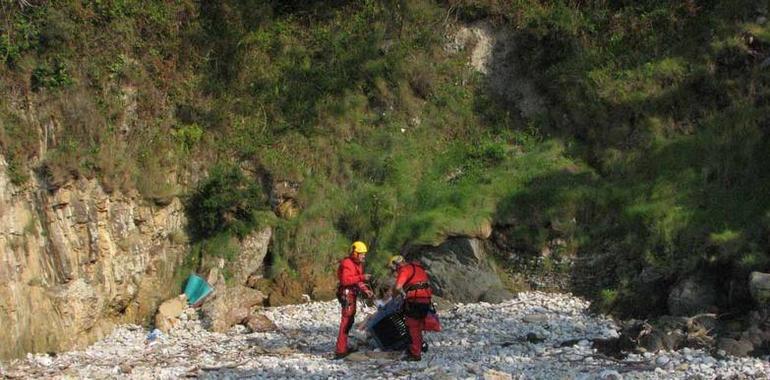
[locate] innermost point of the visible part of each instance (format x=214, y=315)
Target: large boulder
x=252, y=256
x=693, y=295
x=735, y=347
x=169, y=312
x=230, y=306
x=759, y=287
x=251, y=252
x=248, y=260
x=461, y=271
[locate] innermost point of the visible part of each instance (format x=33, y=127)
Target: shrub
x=490, y=153
x=222, y=245
x=177, y=237
x=187, y=136
x=17, y=172
x=20, y=31
x=52, y=75
x=154, y=184
x=225, y=201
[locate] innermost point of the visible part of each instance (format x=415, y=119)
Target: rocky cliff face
x=76, y=261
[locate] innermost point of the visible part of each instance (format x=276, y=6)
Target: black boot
x=343, y=355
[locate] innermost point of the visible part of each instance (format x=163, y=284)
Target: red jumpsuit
x=351, y=280
x=414, y=280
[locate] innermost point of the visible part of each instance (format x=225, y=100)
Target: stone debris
x=497, y=375
x=169, y=311
x=259, y=323
x=479, y=340
x=230, y=306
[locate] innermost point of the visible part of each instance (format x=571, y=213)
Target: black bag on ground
x=388, y=328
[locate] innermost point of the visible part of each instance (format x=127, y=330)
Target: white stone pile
x=520, y=338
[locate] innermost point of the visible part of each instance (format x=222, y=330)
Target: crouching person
x=413, y=282
x=352, y=280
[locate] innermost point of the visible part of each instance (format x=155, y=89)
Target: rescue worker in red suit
x=413, y=282
x=352, y=280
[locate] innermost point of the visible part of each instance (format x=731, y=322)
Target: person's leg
x=422, y=340
x=346, y=322
x=415, y=332
x=342, y=335
x=351, y=321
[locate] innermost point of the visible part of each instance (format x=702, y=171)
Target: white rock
x=662, y=361
x=472, y=336
x=43, y=360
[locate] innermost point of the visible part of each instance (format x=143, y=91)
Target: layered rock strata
x=76, y=261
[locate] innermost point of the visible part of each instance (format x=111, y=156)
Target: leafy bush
x=17, y=173
x=20, y=32
x=50, y=76
x=226, y=201
x=187, y=136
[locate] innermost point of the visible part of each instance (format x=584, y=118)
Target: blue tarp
x=196, y=289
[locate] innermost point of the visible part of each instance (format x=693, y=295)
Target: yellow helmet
x=359, y=247
x=395, y=260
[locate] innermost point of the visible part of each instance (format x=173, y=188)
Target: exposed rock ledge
x=77, y=261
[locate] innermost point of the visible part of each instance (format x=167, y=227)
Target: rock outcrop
x=691, y=296
x=759, y=287
x=230, y=306
x=285, y=290
x=76, y=261
x=250, y=260
x=490, y=50
x=169, y=312
x=282, y=199
x=739, y=347
x=461, y=271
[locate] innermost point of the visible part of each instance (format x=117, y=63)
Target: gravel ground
x=519, y=338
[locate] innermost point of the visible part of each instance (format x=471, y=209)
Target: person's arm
x=401, y=278
x=365, y=289
x=362, y=284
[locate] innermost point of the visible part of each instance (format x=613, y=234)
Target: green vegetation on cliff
x=650, y=154
x=666, y=102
